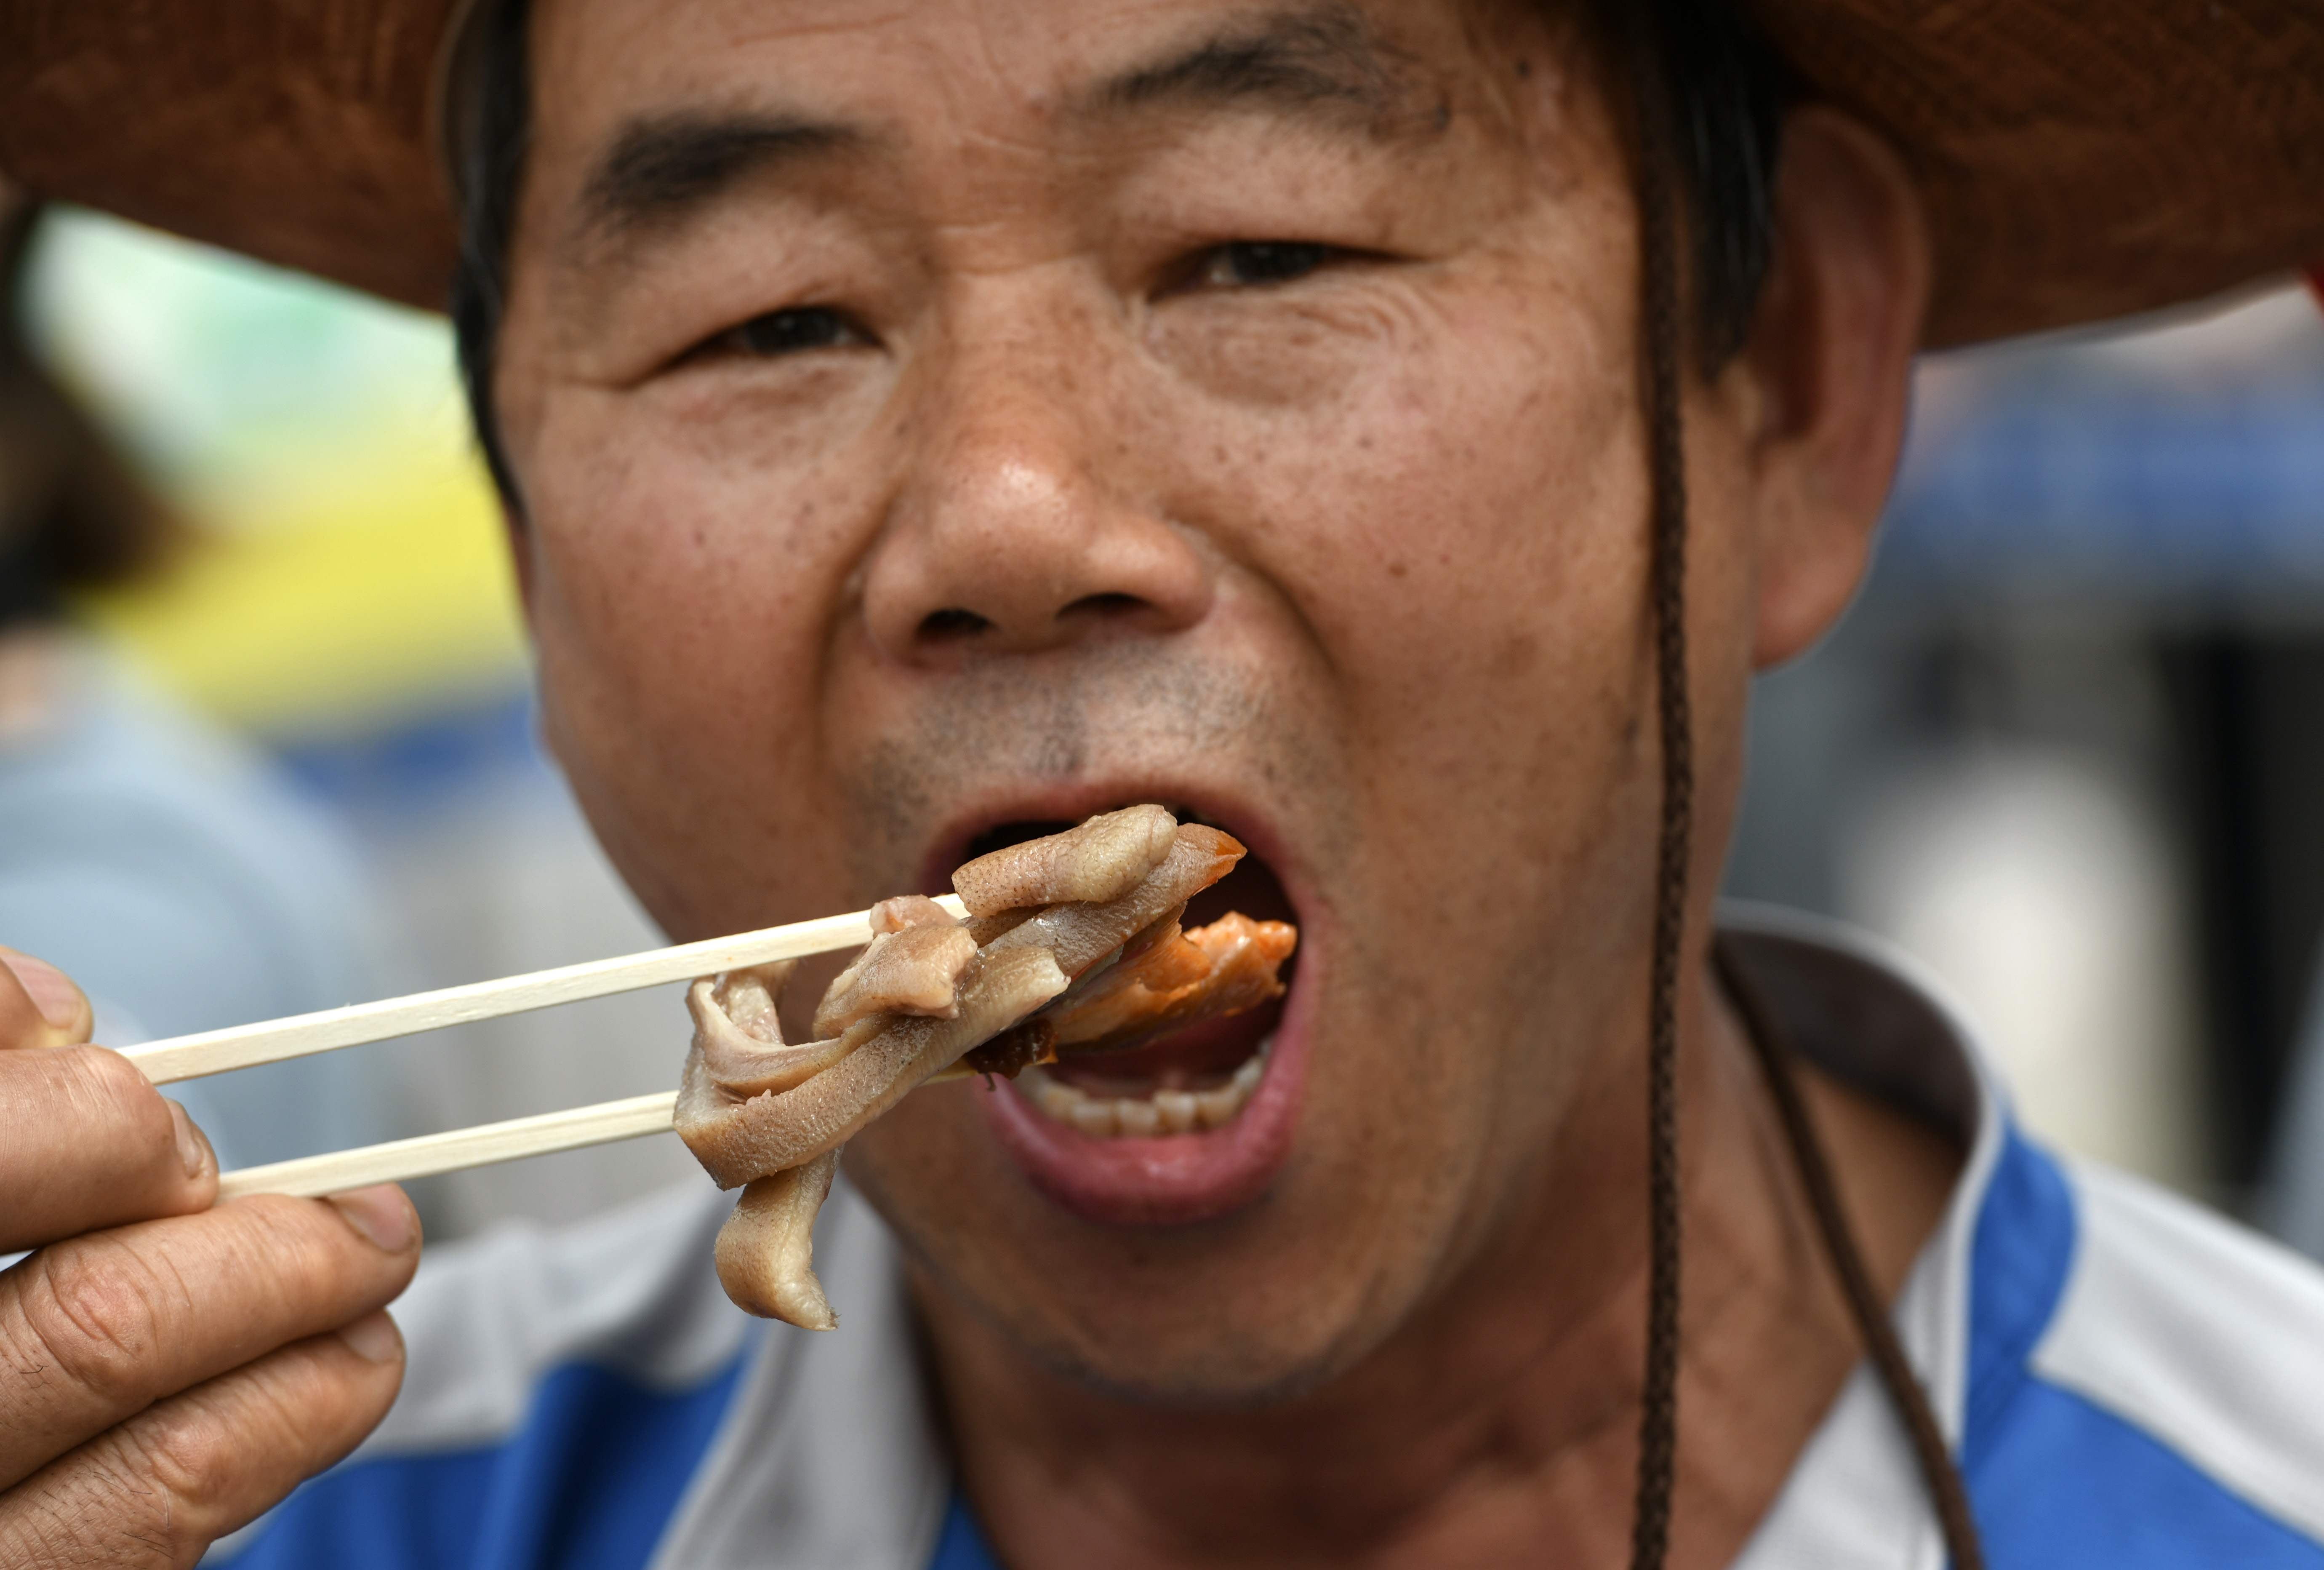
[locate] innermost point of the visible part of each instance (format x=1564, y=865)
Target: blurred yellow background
x=350, y=567
x=346, y=614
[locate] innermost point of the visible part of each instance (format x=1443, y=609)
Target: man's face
x=940, y=418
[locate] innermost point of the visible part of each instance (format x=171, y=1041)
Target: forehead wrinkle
x=1321, y=61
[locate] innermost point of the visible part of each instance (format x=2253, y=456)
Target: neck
x=1499, y=1425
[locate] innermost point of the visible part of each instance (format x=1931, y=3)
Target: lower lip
x=1174, y=1179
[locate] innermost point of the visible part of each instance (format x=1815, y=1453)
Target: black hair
x=1725, y=91
x=491, y=125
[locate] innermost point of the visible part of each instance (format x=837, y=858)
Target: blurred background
x=2063, y=749
x=330, y=645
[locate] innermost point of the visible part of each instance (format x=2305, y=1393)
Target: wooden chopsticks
x=273, y=1040
x=398, y=1160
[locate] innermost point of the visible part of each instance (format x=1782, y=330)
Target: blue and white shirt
x=2129, y=1382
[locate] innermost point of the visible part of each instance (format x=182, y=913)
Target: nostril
x=1102, y=607
x=951, y=624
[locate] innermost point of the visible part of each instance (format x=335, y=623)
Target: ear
x=1830, y=353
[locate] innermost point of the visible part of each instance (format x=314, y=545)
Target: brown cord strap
x=1663, y=338
x=1947, y=1491
x=1662, y=343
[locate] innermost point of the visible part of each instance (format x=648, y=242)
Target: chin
x=1248, y=1308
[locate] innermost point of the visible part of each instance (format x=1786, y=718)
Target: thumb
x=39, y=1004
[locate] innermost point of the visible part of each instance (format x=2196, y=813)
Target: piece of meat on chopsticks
x=1074, y=943
x=1097, y=861
x=913, y=965
x=766, y=1250
x=1180, y=978
x=1209, y=973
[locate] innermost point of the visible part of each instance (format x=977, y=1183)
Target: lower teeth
x=1163, y=1112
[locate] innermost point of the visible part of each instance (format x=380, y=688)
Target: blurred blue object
x=186, y=885
x=2183, y=467
x=2123, y=488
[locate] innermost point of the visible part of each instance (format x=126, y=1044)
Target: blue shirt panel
x=2070, y=1486
x=2057, y=1482
x=587, y=1483
x=962, y=1546
x=2019, y=1259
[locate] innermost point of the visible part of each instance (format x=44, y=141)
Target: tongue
x=1198, y=1057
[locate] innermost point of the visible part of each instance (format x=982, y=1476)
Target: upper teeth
x=1157, y=1112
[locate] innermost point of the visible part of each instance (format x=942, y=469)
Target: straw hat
x=2081, y=159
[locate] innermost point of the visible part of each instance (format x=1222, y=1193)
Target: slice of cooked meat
x=909, y=910
x=1224, y=968
x=912, y=970
x=1103, y=858
x=766, y=1249
x=738, y=1041
x=1082, y=934
x=737, y=1138
x=1235, y=959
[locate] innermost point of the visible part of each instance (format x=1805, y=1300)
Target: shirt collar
x=1984, y=1285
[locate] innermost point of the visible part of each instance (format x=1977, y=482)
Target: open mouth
x=1064, y=944
x=1191, y=1080
x=1179, y=1128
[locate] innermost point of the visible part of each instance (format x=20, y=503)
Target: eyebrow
x=661, y=170
x=1315, y=62
x=1319, y=62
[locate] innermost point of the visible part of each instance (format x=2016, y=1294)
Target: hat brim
x=2081, y=159
x=295, y=131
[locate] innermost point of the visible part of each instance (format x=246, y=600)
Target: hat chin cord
x=1662, y=343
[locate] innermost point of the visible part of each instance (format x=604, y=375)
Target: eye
x=1247, y=263
x=790, y=332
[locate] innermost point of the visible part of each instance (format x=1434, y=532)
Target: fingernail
x=55, y=997
x=192, y=1148
x=381, y=1214
x=374, y=1337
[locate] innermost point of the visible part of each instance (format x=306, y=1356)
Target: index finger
x=86, y=1142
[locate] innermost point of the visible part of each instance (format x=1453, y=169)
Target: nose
x=1020, y=526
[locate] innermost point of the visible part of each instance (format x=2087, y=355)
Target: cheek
x=1462, y=532
x=1467, y=539
x=679, y=596
x=1462, y=537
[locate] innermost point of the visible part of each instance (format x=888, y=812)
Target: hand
x=167, y=1368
